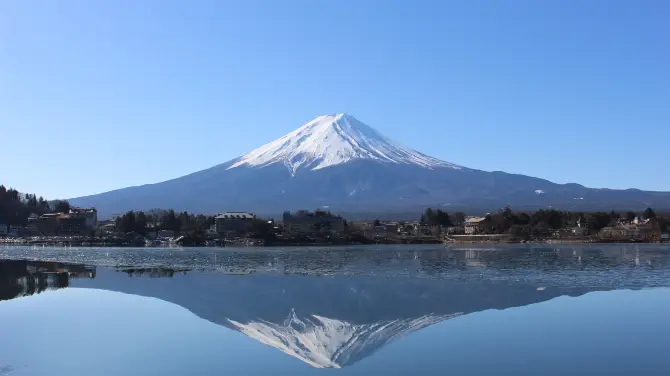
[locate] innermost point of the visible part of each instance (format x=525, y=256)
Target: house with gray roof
x=234, y=222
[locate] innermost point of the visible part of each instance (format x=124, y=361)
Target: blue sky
x=98, y=95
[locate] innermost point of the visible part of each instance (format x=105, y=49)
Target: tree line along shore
x=28, y=219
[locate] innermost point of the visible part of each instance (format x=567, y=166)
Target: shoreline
x=93, y=242
x=103, y=244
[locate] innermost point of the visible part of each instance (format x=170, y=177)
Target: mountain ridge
x=336, y=161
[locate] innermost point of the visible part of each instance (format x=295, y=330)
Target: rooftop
x=236, y=215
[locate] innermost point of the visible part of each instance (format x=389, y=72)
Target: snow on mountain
x=331, y=140
x=328, y=343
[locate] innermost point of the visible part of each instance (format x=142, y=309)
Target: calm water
x=395, y=310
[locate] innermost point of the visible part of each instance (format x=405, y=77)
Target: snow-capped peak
x=331, y=140
x=328, y=343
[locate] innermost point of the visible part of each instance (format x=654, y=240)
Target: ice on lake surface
x=393, y=310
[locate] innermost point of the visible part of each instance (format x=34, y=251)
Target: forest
x=159, y=219
x=543, y=222
x=15, y=207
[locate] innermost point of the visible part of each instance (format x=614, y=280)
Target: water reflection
x=426, y=261
x=156, y=272
x=332, y=309
x=20, y=278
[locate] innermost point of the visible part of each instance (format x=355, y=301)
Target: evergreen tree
x=649, y=213
x=442, y=218
x=61, y=206
x=429, y=216
x=458, y=218
x=141, y=221
x=126, y=223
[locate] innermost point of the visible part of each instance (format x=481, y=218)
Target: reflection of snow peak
x=328, y=343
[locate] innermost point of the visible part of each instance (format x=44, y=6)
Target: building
x=391, y=229
x=372, y=231
x=423, y=230
x=579, y=231
x=90, y=216
x=212, y=230
x=3, y=229
x=106, y=228
x=406, y=229
x=15, y=230
x=570, y=232
x=623, y=231
x=454, y=230
x=640, y=221
x=637, y=229
x=647, y=231
x=165, y=234
x=381, y=230
x=392, y=226
x=308, y=223
x=32, y=227
x=619, y=231
x=52, y=224
x=474, y=225
x=234, y=222
x=46, y=224
x=72, y=225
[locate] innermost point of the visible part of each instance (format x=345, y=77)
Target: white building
x=473, y=225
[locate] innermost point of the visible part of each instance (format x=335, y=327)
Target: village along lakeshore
x=28, y=219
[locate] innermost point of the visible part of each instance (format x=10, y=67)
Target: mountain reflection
x=156, y=272
x=20, y=278
x=331, y=309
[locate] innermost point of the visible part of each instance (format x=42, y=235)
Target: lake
x=388, y=310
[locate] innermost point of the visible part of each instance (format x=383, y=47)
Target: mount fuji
x=337, y=161
x=332, y=140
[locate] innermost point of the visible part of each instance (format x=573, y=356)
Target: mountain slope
x=331, y=140
x=338, y=161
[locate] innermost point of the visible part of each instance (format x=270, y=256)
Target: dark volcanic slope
x=363, y=186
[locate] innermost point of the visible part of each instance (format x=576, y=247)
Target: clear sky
x=99, y=95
